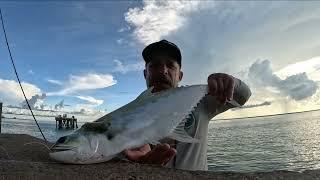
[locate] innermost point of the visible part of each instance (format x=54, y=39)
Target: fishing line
x=14, y=67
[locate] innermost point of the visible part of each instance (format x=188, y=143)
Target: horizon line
x=279, y=114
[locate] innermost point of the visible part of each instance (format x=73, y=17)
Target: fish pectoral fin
x=181, y=135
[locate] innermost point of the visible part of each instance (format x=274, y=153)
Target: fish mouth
x=59, y=148
x=63, y=144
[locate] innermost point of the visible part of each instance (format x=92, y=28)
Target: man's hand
x=222, y=86
x=161, y=154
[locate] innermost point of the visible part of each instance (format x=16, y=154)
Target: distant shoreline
x=40, y=120
x=249, y=117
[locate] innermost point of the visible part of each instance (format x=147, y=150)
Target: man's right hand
x=160, y=154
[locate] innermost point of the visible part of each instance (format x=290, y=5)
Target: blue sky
x=89, y=53
x=51, y=41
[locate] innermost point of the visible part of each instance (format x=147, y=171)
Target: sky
x=80, y=55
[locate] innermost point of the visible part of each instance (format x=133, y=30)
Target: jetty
x=32, y=162
x=64, y=122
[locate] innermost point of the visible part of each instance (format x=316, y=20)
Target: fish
x=147, y=119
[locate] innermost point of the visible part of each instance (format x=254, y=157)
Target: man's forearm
x=241, y=95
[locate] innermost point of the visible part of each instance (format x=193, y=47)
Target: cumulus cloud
x=91, y=100
x=86, y=82
x=35, y=102
x=59, y=105
x=124, y=68
x=225, y=36
x=297, y=86
x=89, y=109
x=159, y=18
x=261, y=72
x=11, y=93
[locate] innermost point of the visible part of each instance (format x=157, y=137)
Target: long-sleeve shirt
x=193, y=156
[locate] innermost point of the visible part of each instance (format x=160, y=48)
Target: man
x=163, y=71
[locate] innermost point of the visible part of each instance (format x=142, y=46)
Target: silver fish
x=148, y=119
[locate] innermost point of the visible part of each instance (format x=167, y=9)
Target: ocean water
x=282, y=142
x=24, y=126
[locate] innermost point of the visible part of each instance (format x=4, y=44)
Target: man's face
x=162, y=72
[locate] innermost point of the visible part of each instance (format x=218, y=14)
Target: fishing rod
x=15, y=70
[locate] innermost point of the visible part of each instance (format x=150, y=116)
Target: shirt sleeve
x=241, y=95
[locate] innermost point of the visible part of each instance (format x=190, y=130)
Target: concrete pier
x=23, y=157
x=64, y=122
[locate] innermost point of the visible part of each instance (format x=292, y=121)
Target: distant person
x=163, y=71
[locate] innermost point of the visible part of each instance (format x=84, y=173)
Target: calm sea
x=282, y=142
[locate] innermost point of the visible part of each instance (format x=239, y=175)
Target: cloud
x=310, y=67
x=261, y=72
x=120, y=67
x=57, y=82
x=124, y=29
x=158, y=18
x=11, y=93
x=59, y=105
x=30, y=72
x=297, y=86
x=91, y=100
x=226, y=36
x=86, y=82
x=120, y=41
x=266, y=103
x=89, y=109
x=35, y=102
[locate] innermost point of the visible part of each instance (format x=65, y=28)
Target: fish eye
x=110, y=136
x=62, y=139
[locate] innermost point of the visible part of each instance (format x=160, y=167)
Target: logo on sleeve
x=190, y=121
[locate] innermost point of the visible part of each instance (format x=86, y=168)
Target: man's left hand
x=161, y=154
x=222, y=86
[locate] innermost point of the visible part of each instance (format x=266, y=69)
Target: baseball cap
x=162, y=46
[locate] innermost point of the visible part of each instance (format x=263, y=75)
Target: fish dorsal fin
x=180, y=134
